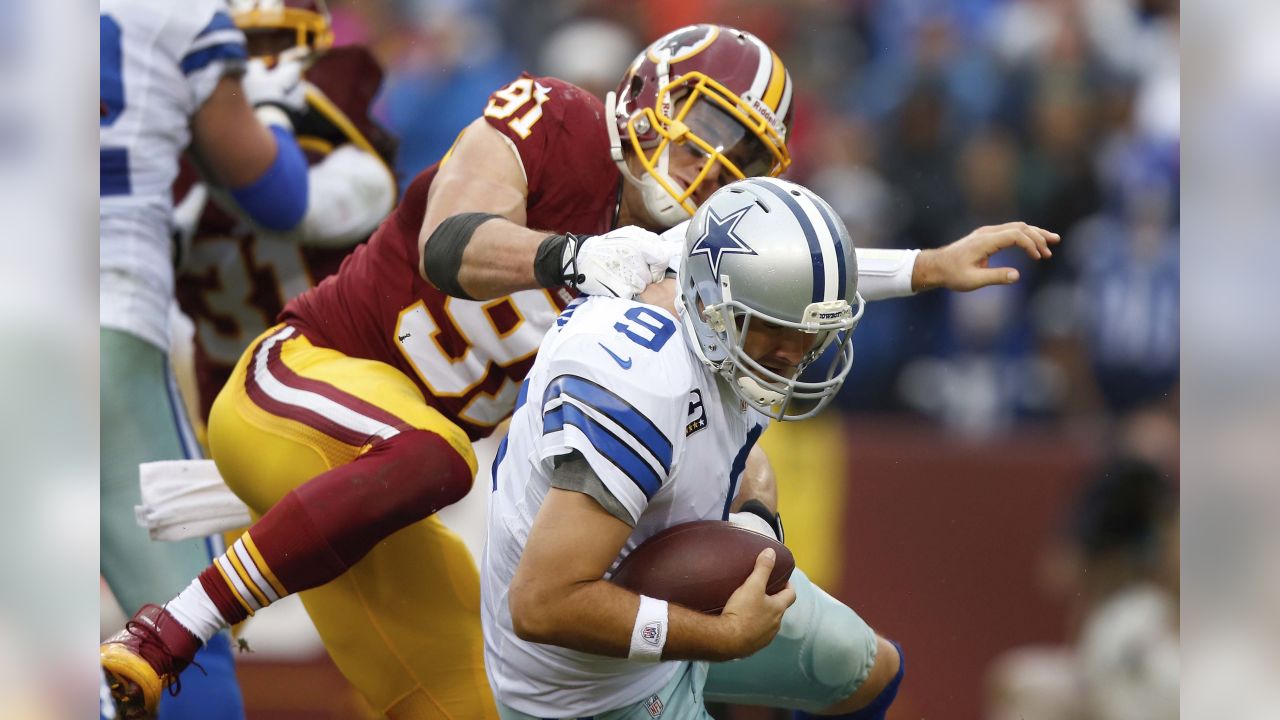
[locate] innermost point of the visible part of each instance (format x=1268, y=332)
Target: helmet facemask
x=697, y=120
x=768, y=295
x=698, y=115
x=279, y=29
x=782, y=396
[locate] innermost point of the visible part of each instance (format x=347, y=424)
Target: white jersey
x=160, y=61
x=617, y=382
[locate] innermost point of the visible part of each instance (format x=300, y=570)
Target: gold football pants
x=403, y=624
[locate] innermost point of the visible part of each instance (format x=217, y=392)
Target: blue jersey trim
x=219, y=21
x=113, y=172
x=739, y=465
x=610, y=446
x=521, y=397
x=200, y=59
x=497, y=460
x=616, y=409
x=110, y=71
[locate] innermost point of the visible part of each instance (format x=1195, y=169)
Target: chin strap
x=615, y=140
x=611, y=126
x=758, y=394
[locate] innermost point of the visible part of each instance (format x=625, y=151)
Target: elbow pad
x=350, y=192
x=278, y=199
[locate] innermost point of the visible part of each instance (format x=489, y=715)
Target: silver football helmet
x=767, y=251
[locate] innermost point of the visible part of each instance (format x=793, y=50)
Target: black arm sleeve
x=442, y=257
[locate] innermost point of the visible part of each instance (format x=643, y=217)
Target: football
x=700, y=564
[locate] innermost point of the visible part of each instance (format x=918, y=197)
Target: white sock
x=195, y=611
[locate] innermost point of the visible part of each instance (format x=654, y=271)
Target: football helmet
x=764, y=250
x=308, y=20
x=712, y=90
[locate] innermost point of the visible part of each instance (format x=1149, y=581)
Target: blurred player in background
x=235, y=278
x=349, y=423
x=603, y=453
x=1117, y=565
x=169, y=79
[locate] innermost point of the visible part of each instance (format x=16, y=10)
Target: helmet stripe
x=777, y=82
x=810, y=234
x=763, y=68
x=827, y=244
x=842, y=274
x=785, y=105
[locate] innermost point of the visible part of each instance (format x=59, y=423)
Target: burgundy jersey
x=469, y=358
x=234, y=284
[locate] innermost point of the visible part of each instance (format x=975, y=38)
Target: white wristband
x=650, y=631
x=884, y=274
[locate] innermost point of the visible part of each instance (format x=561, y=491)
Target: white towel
x=183, y=499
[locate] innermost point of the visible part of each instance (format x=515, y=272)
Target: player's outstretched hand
x=620, y=263
x=752, y=618
x=963, y=265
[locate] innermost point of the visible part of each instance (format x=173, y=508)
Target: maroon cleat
x=144, y=659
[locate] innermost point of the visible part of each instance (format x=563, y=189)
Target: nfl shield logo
x=650, y=634
x=653, y=705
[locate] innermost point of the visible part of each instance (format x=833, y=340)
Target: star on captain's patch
x=719, y=238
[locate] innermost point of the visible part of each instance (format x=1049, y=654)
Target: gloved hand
x=621, y=263
x=280, y=85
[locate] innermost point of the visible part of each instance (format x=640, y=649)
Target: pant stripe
x=276, y=388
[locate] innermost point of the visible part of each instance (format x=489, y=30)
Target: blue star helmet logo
x=719, y=238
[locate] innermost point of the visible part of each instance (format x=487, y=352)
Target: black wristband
x=442, y=257
x=549, y=268
x=759, y=509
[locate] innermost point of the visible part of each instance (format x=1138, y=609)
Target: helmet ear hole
x=637, y=84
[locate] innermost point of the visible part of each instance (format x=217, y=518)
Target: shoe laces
x=169, y=665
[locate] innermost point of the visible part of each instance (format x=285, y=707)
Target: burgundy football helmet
x=718, y=92
x=307, y=20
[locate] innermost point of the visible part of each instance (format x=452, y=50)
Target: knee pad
x=877, y=708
